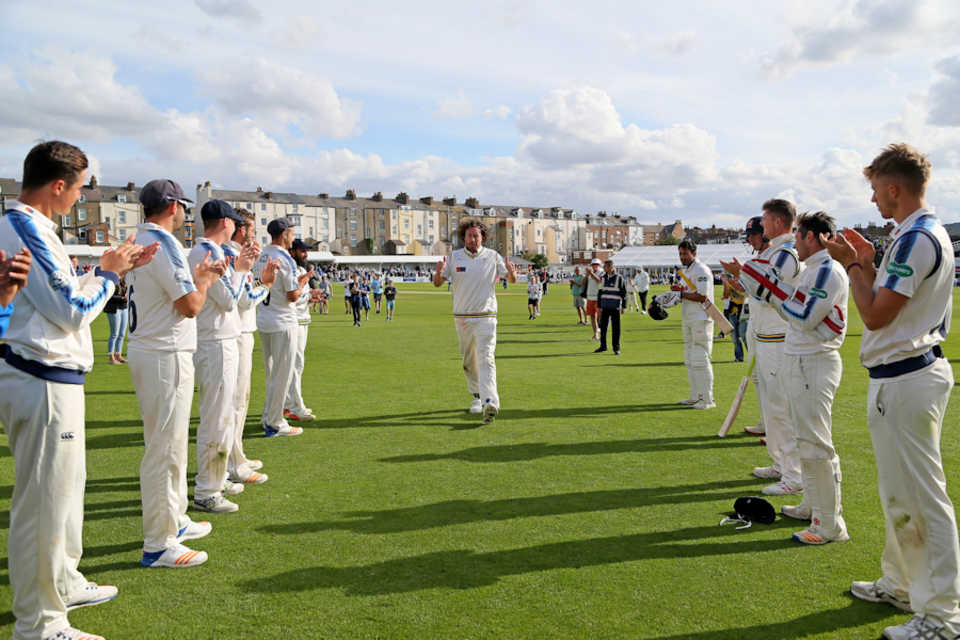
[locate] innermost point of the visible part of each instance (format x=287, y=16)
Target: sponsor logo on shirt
x=817, y=292
x=898, y=269
x=461, y=269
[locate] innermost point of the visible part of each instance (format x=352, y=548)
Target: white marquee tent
x=665, y=256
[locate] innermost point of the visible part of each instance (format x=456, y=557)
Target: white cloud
x=945, y=94
x=455, y=107
x=240, y=10
x=281, y=97
x=500, y=111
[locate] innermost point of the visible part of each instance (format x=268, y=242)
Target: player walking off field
x=473, y=271
x=216, y=360
x=278, y=325
x=295, y=407
x=906, y=305
x=47, y=353
x=164, y=302
x=239, y=467
x=768, y=333
x=697, y=325
x=815, y=312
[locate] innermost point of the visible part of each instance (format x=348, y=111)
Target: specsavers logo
x=819, y=293
x=901, y=270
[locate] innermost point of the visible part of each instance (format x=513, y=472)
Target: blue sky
x=691, y=110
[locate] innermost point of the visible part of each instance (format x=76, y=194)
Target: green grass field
x=589, y=509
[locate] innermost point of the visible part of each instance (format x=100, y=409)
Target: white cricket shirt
x=472, y=277
x=155, y=324
x=765, y=322
x=219, y=318
x=276, y=313
x=702, y=278
x=251, y=297
x=821, y=285
x=918, y=264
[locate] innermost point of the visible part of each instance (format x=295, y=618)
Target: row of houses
x=355, y=225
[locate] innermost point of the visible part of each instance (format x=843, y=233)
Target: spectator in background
x=612, y=301
x=631, y=294
x=353, y=295
x=324, y=298
x=116, y=310
x=390, y=293
x=376, y=285
x=533, y=296
x=641, y=281
x=577, y=285
x=594, y=278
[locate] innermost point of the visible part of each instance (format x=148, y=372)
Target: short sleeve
x=171, y=273
x=912, y=257
x=448, y=267
x=501, y=266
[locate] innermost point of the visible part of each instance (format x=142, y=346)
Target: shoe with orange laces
x=815, y=535
x=303, y=415
x=176, y=557
x=73, y=634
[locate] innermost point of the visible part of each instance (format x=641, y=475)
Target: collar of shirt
x=33, y=213
x=471, y=254
x=781, y=239
x=908, y=222
x=818, y=257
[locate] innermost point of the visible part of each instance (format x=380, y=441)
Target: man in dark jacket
x=612, y=300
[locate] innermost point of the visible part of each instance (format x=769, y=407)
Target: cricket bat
x=738, y=399
x=722, y=323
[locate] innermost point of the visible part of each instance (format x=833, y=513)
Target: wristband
x=852, y=265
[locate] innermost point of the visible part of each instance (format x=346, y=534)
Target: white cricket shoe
x=781, y=489
x=873, y=592
x=73, y=634
x=797, y=512
x=254, y=477
x=90, y=595
x=913, y=629
x=489, y=413
x=232, y=488
x=194, y=530
x=255, y=465
x=767, y=473
x=476, y=406
x=703, y=404
x=756, y=430
x=215, y=504
x=176, y=557
x=815, y=535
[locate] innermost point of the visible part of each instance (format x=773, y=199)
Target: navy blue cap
x=279, y=225
x=300, y=244
x=217, y=209
x=754, y=226
x=159, y=193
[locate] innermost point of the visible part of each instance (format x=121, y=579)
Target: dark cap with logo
x=217, y=209
x=159, y=193
x=279, y=225
x=300, y=244
x=754, y=226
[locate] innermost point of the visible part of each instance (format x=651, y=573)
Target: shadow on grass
x=442, y=417
x=467, y=569
x=455, y=512
x=855, y=614
x=537, y=450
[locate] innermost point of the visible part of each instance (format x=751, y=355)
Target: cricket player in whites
x=768, y=331
x=906, y=306
x=278, y=325
x=165, y=298
x=697, y=325
x=239, y=467
x=216, y=359
x=295, y=407
x=815, y=312
x=473, y=272
x=46, y=355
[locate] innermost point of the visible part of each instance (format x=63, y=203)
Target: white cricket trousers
x=216, y=364
x=241, y=403
x=697, y=349
x=813, y=381
x=44, y=422
x=294, y=400
x=279, y=353
x=772, y=385
x=755, y=377
x=163, y=381
x=905, y=416
x=478, y=346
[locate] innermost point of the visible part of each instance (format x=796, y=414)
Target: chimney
x=259, y=189
x=402, y=198
x=472, y=203
x=93, y=182
x=130, y=186
x=377, y=197
x=351, y=194
x=323, y=196
x=268, y=195
x=451, y=201
x=428, y=200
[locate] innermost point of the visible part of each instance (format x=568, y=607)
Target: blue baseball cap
x=217, y=209
x=279, y=225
